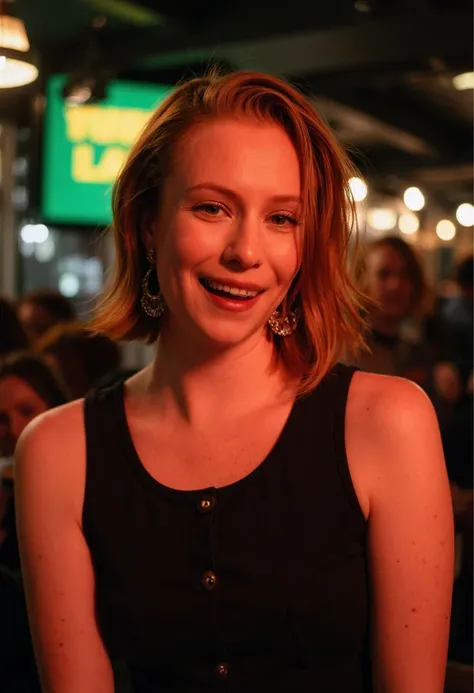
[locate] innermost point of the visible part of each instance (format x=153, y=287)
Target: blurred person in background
x=458, y=318
x=42, y=309
x=391, y=275
x=82, y=360
x=12, y=335
x=243, y=512
x=27, y=389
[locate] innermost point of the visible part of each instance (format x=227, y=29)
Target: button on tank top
x=260, y=586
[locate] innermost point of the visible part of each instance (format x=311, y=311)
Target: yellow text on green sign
x=85, y=147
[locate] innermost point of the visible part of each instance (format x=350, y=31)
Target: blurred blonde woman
x=390, y=274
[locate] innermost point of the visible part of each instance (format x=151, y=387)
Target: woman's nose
x=244, y=247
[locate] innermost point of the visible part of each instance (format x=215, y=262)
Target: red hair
x=322, y=294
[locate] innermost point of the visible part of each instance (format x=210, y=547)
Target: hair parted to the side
x=323, y=294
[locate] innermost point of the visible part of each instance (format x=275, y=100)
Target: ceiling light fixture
x=88, y=83
x=86, y=88
x=381, y=218
x=17, y=67
x=445, y=230
x=408, y=223
x=363, y=6
x=358, y=189
x=465, y=214
x=414, y=199
x=464, y=81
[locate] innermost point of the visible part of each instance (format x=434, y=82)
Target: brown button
x=207, y=503
x=209, y=580
x=222, y=671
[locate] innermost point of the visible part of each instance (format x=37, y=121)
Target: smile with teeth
x=231, y=290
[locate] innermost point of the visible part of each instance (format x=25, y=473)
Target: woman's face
x=388, y=281
x=35, y=320
x=19, y=404
x=227, y=234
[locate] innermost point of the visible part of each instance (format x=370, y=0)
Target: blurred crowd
x=47, y=357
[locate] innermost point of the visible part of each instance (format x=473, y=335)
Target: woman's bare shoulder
x=391, y=433
x=386, y=404
x=57, y=428
x=51, y=456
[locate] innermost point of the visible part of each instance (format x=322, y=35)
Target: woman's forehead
x=238, y=153
x=386, y=255
x=16, y=386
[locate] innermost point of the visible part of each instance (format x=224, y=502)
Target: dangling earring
x=283, y=325
x=153, y=304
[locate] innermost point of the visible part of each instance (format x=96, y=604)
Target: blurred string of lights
x=407, y=222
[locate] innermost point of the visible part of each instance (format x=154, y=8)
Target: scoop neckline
x=187, y=495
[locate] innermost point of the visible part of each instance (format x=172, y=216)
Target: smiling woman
x=300, y=179
x=244, y=510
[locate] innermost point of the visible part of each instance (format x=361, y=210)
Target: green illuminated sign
x=85, y=147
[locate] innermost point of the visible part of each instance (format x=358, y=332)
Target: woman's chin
x=213, y=334
x=226, y=335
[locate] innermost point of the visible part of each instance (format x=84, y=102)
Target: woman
x=82, y=359
x=27, y=389
x=211, y=529
x=391, y=275
x=403, y=340
x=42, y=309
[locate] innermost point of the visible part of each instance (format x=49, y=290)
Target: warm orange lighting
x=15, y=66
x=13, y=34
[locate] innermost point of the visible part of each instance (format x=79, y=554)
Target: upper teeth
x=229, y=289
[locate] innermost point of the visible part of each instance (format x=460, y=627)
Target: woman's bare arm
x=411, y=536
x=58, y=574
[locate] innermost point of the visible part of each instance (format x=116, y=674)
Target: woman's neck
x=201, y=386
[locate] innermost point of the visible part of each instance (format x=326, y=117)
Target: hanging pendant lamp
x=17, y=67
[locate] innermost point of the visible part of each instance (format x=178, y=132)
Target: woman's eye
x=209, y=208
x=283, y=220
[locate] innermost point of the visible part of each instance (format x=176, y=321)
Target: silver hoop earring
x=153, y=304
x=283, y=325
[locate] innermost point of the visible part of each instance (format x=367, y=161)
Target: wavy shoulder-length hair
x=323, y=294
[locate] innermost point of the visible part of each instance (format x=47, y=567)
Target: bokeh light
x=465, y=214
x=445, y=230
x=358, y=189
x=408, y=223
x=381, y=219
x=414, y=199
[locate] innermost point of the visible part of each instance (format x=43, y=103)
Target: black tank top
x=260, y=586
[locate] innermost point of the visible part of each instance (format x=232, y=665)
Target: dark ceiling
x=380, y=70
